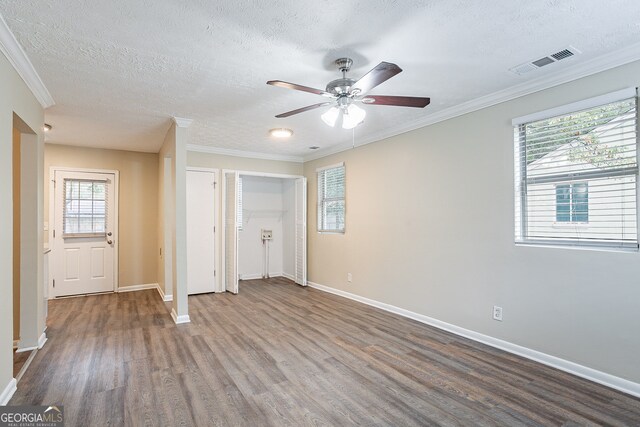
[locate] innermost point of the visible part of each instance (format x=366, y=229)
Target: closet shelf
x=263, y=213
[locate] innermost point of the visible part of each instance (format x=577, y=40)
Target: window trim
x=520, y=172
x=321, y=201
x=76, y=235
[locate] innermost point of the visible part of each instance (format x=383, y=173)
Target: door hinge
x=214, y=228
x=214, y=273
x=214, y=184
x=54, y=233
x=54, y=283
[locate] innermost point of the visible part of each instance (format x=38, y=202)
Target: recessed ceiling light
x=46, y=127
x=281, y=132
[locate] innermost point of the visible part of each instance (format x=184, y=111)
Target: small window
x=85, y=208
x=576, y=173
x=572, y=203
x=331, y=200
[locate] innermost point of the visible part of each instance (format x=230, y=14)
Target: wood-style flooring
x=19, y=360
x=282, y=355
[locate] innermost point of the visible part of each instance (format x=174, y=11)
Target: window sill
x=331, y=232
x=577, y=247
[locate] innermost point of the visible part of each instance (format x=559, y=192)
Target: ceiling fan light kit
x=345, y=92
x=331, y=116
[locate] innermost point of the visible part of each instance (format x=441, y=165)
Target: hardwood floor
x=19, y=360
x=279, y=354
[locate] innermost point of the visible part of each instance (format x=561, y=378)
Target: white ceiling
x=119, y=69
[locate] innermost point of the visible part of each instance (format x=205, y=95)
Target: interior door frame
x=116, y=223
x=240, y=173
x=216, y=198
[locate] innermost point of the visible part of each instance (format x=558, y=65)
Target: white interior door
x=85, y=233
x=231, y=232
x=301, y=231
x=200, y=231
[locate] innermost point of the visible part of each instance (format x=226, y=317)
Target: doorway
x=265, y=227
x=84, y=235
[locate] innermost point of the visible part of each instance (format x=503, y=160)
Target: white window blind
x=576, y=177
x=85, y=208
x=331, y=200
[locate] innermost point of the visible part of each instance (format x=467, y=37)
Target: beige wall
x=221, y=162
x=15, y=98
x=16, y=234
x=137, y=260
x=430, y=228
x=172, y=231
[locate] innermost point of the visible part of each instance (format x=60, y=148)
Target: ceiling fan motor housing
x=340, y=86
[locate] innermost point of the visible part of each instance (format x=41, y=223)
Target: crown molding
x=10, y=47
x=182, y=122
x=596, y=65
x=242, y=153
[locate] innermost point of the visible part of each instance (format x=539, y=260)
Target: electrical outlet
x=267, y=234
x=349, y=278
x=497, y=313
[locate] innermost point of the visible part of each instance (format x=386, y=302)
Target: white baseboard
x=42, y=340
x=289, y=276
x=596, y=376
x=179, y=319
x=254, y=276
x=8, y=391
x=24, y=349
x=133, y=288
x=162, y=295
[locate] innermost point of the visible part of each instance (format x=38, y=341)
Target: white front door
x=200, y=231
x=85, y=232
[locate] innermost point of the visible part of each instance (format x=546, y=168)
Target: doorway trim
x=116, y=225
x=223, y=185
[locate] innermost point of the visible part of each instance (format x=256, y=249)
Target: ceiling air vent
x=564, y=53
x=543, y=61
x=546, y=60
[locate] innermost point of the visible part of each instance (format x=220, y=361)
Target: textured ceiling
x=119, y=69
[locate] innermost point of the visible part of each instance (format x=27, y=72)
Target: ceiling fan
x=346, y=92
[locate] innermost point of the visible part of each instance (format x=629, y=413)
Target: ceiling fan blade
x=400, y=101
x=303, y=109
x=379, y=74
x=294, y=86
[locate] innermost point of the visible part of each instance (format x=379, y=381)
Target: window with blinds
x=85, y=208
x=576, y=175
x=331, y=200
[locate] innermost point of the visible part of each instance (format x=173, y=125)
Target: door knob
x=109, y=242
x=109, y=233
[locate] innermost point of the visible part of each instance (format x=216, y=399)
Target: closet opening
x=265, y=227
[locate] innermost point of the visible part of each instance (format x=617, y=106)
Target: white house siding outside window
x=576, y=175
